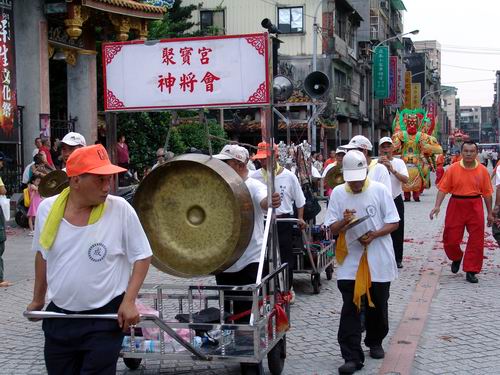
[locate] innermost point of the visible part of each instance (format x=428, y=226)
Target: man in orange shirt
x=467, y=181
x=440, y=166
x=457, y=157
x=331, y=159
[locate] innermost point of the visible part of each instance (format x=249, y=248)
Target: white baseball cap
x=74, y=139
x=340, y=150
x=359, y=141
x=233, y=152
x=385, y=140
x=354, y=166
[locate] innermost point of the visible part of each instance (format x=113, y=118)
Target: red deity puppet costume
x=416, y=146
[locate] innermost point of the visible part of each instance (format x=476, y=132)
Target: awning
x=127, y=8
x=398, y=4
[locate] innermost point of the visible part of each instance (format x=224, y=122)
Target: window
x=212, y=22
x=291, y=20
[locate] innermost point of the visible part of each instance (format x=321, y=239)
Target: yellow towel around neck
x=55, y=216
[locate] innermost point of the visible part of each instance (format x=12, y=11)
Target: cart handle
x=143, y=317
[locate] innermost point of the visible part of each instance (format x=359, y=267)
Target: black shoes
x=377, y=352
x=455, y=265
x=399, y=264
x=350, y=367
x=471, y=277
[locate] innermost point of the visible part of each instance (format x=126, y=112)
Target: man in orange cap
x=86, y=243
x=287, y=184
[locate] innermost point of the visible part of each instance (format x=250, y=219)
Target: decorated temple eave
x=126, y=8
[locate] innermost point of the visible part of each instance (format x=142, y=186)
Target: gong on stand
x=53, y=183
x=197, y=213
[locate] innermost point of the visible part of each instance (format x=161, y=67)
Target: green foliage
x=174, y=24
x=193, y=135
x=145, y=132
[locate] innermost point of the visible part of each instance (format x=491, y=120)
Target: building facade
x=344, y=51
x=56, y=64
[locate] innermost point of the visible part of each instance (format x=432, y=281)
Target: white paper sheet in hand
x=359, y=230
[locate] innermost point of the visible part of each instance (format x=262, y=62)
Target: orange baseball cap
x=263, y=151
x=91, y=159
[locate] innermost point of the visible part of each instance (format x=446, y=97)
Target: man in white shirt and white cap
x=244, y=271
x=365, y=257
x=376, y=172
x=288, y=186
x=70, y=143
x=399, y=176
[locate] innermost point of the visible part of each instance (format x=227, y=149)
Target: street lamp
x=433, y=92
x=397, y=36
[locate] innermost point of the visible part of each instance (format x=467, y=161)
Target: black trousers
x=399, y=234
x=285, y=233
x=83, y=346
x=245, y=276
x=376, y=320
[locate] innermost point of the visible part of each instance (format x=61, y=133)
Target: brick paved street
x=459, y=332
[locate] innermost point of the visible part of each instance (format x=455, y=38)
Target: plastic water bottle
x=139, y=343
x=152, y=346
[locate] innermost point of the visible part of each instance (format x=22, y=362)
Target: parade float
x=413, y=139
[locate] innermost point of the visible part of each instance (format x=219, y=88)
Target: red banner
x=8, y=102
x=393, y=82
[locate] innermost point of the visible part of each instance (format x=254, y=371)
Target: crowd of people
x=116, y=260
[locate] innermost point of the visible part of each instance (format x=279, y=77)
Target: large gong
x=197, y=214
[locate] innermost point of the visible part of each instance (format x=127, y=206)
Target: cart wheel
x=252, y=369
x=316, y=282
x=132, y=363
x=329, y=272
x=276, y=357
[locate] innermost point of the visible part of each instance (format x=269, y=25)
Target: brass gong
x=334, y=177
x=197, y=213
x=53, y=183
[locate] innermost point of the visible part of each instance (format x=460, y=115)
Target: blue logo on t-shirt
x=97, y=252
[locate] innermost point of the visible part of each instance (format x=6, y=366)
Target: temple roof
x=127, y=7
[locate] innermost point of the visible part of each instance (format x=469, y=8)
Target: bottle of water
x=138, y=343
x=152, y=346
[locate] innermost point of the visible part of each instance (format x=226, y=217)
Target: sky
x=466, y=31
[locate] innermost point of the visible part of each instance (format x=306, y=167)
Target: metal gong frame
x=267, y=294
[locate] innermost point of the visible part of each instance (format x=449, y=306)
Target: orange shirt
x=456, y=158
x=459, y=180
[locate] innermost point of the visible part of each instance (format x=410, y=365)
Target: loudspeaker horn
x=282, y=88
x=316, y=84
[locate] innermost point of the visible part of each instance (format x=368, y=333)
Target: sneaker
x=292, y=296
x=399, y=264
x=471, y=277
x=377, y=352
x=350, y=367
x=31, y=233
x=455, y=265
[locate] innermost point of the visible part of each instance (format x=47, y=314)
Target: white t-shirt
x=379, y=173
x=378, y=203
x=397, y=186
x=497, y=177
x=258, y=191
x=89, y=266
x=287, y=184
x=26, y=173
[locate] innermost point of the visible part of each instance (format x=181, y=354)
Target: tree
x=174, y=24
